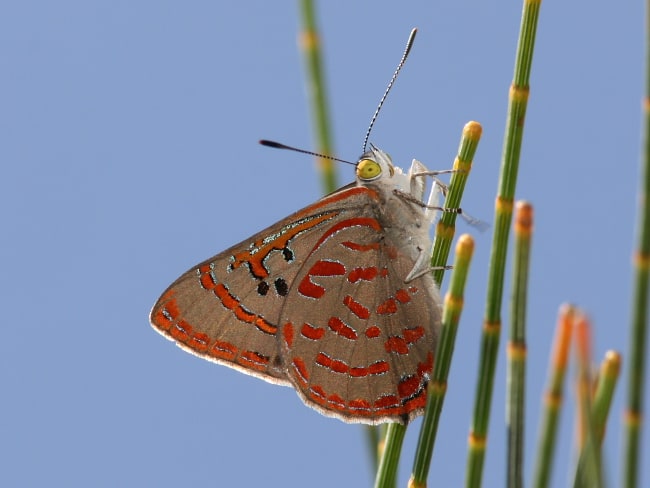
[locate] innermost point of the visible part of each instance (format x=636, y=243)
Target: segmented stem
x=638, y=346
x=516, y=393
x=504, y=203
x=446, y=226
x=317, y=93
x=589, y=469
x=453, y=306
x=554, y=397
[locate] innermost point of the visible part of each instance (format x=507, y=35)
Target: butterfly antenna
x=409, y=44
x=279, y=145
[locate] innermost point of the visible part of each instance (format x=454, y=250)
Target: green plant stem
x=373, y=440
x=438, y=385
x=472, y=130
x=516, y=393
x=387, y=471
x=606, y=384
x=507, y=182
x=607, y=381
x=554, y=397
x=637, y=369
x=446, y=226
x=445, y=230
x=311, y=47
x=589, y=467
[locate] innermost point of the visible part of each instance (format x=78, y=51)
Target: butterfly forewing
x=227, y=308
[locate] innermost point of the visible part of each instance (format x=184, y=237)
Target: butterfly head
x=374, y=165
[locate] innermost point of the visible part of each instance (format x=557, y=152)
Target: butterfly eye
x=367, y=169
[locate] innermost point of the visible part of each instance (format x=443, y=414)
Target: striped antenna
x=409, y=44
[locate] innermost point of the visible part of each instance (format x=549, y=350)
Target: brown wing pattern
x=317, y=301
x=357, y=339
x=227, y=308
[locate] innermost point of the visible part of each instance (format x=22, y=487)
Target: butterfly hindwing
x=358, y=340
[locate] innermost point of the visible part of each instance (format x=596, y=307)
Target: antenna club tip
x=265, y=142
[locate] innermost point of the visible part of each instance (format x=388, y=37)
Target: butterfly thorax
x=401, y=211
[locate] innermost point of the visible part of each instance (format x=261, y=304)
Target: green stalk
x=387, y=472
x=446, y=226
x=453, y=307
x=589, y=469
x=636, y=380
x=516, y=395
x=445, y=230
x=311, y=47
x=607, y=381
x=602, y=401
x=504, y=203
x=554, y=397
x=374, y=443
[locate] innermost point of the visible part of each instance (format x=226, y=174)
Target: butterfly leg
x=431, y=210
x=417, y=174
x=417, y=177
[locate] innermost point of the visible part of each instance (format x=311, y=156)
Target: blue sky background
x=129, y=152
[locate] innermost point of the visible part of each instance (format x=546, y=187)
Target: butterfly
x=336, y=300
